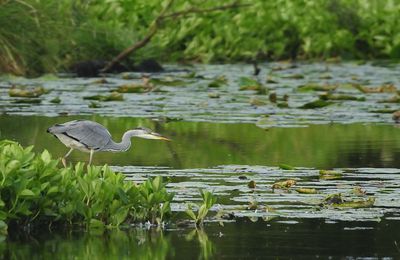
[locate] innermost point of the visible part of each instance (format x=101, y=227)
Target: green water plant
x=34, y=191
x=209, y=199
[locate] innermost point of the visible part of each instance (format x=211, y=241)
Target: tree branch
x=158, y=21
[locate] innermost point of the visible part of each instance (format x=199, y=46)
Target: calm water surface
x=207, y=145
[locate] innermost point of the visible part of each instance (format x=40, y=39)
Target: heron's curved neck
x=125, y=144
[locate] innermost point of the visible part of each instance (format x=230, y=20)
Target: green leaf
x=53, y=189
x=191, y=214
x=46, y=157
x=95, y=223
x=27, y=193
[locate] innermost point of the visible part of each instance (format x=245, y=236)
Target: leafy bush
x=34, y=191
x=33, y=33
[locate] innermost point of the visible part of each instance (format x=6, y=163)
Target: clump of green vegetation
x=114, y=96
x=337, y=201
x=330, y=174
x=26, y=92
x=132, y=88
x=31, y=35
x=34, y=191
x=246, y=83
x=218, y=82
x=209, y=200
x=286, y=184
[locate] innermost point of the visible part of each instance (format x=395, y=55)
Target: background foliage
x=45, y=36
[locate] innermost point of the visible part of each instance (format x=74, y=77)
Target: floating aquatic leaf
x=56, y=100
x=100, y=81
x=337, y=201
x=169, y=81
x=316, y=104
x=329, y=174
x=24, y=91
x=284, y=184
x=251, y=184
x=286, y=167
x=358, y=191
x=256, y=101
x=396, y=116
x=316, y=87
x=94, y=104
x=218, y=82
x=271, y=80
x=386, y=88
x=356, y=203
x=307, y=190
x=132, y=88
x=384, y=111
x=213, y=95
x=272, y=97
x=28, y=101
x=246, y=83
x=327, y=96
x=394, y=99
x=114, y=96
x=283, y=105
x=294, y=76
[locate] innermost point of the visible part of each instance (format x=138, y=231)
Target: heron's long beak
x=155, y=136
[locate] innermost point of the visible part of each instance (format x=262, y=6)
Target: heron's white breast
x=69, y=142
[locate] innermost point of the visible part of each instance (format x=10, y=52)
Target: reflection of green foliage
x=34, y=191
x=207, y=247
x=208, y=201
x=113, y=244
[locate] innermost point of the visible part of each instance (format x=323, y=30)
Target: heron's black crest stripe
x=76, y=139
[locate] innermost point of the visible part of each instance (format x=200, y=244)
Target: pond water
x=224, y=158
x=224, y=138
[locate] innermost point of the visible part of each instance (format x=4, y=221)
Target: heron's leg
x=91, y=156
x=64, y=162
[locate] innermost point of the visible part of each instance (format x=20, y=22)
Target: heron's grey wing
x=89, y=133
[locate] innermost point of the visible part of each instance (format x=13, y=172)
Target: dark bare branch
x=158, y=21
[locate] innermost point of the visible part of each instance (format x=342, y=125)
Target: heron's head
x=146, y=133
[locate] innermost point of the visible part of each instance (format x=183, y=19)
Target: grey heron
x=89, y=136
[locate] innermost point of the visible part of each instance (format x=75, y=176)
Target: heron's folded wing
x=91, y=134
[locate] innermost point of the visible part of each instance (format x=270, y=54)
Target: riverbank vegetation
x=48, y=36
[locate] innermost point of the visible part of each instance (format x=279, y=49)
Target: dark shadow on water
x=309, y=238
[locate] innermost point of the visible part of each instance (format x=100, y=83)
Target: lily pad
x=307, y=190
x=316, y=104
x=26, y=92
x=169, y=81
x=114, y=96
x=56, y=100
x=218, y=82
x=316, y=87
x=246, y=83
x=286, y=167
x=284, y=184
x=386, y=88
x=132, y=88
x=341, y=97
